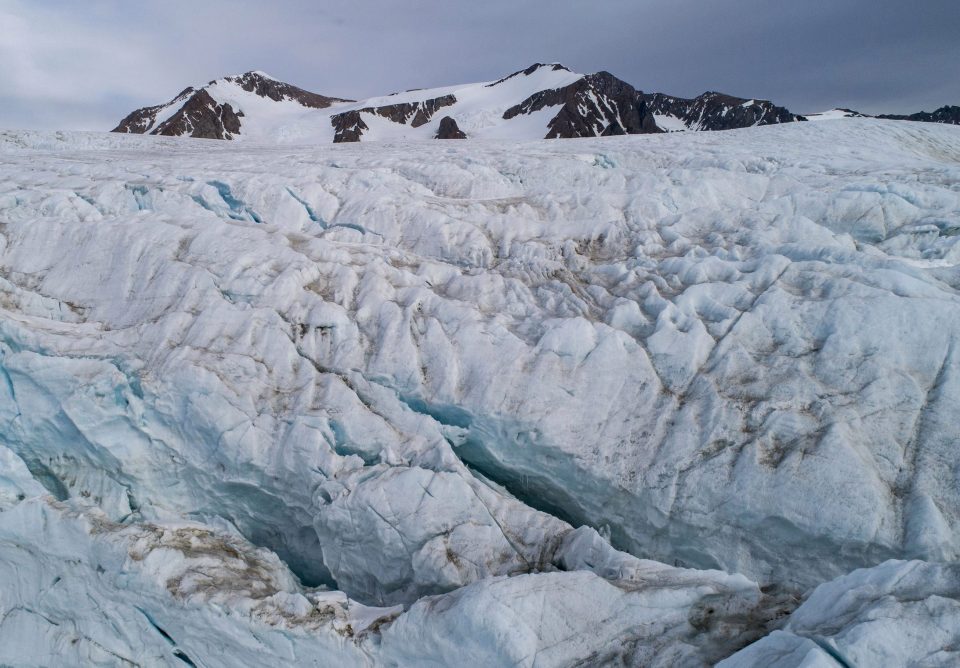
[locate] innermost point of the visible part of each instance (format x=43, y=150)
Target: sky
x=67, y=64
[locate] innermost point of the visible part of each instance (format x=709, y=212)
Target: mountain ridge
x=542, y=101
x=949, y=114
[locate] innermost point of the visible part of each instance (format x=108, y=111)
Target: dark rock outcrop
x=449, y=129
x=349, y=125
x=592, y=105
x=530, y=70
x=200, y=115
x=141, y=120
x=264, y=86
x=595, y=105
x=946, y=114
x=717, y=111
x=850, y=113
x=418, y=113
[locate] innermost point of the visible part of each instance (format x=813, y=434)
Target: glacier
x=649, y=400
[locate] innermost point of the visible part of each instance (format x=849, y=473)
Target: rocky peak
x=199, y=113
x=576, y=105
x=594, y=105
x=202, y=117
x=142, y=120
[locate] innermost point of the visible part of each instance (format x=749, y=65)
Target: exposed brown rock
x=530, y=70
x=948, y=114
x=419, y=112
x=349, y=126
x=141, y=120
x=202, y=117
x=449, y=129
x=850, y=113
x=717, y=111
x=596, y=105
x=264, y=86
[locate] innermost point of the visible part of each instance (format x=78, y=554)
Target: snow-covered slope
x=540, y=101
x=403, y=373
x=835, y=114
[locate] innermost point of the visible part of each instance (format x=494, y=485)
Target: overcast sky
x=76, y=64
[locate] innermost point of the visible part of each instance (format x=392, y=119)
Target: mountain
x=714, y=111
x=594, y=105
x=946, y=114
x=219, y=109
x=542, y=101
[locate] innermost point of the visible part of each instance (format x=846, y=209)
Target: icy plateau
x=657, y=400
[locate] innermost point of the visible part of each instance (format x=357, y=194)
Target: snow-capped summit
x=215, y=110
x=544, y=100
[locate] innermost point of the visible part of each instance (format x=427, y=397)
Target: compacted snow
x=345, y=405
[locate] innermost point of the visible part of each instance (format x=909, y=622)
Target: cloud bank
x=84, y=65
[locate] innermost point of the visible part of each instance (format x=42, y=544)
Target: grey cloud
x=84, y=65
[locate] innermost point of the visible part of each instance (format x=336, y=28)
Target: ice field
x=653, y=400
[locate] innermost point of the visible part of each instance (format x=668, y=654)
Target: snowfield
x=620, y=401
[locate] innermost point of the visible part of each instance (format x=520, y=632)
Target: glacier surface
x=361, y=405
